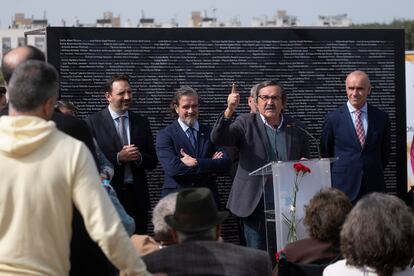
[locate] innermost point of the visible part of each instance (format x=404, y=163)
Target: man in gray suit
x=196, y=229
x=262, y=137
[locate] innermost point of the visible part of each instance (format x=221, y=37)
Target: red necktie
x=359, y=128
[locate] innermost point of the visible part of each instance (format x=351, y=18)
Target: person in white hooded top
x=42, y=172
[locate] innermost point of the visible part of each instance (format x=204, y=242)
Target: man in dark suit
x=262, y=137
x=359, y=134
x=196, y=229
x=126, y=140
x=186, y=154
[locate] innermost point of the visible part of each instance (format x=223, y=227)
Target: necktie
x=191, y=137
x=122, y=130
x=359, y=128
x=128, y=178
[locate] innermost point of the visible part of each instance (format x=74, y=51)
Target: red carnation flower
x=299, y=167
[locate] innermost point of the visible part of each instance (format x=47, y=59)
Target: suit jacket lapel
x=133, y=128
x=182, y=136
x=201, y=140
x=113, y=133
x=371, y=126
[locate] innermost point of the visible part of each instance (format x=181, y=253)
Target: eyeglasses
x=273, y=98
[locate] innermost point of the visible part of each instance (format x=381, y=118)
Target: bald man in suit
x=359, y=134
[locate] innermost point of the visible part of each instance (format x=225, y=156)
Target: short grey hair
x=164, y=207
x=33, y=82
x=253, y=90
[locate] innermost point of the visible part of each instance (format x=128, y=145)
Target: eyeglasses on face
x=273, y=98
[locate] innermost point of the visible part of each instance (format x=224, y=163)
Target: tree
x=407, y=25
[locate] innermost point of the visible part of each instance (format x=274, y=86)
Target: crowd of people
x=74, y=197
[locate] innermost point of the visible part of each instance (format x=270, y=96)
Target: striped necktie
x=359, y=128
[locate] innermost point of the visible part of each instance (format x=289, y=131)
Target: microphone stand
x=309, y=135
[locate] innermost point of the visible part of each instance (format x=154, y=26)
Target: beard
x=190, y=120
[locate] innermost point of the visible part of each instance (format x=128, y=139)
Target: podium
x=278, y=179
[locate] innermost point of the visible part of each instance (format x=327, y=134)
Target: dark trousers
x=135, y=202
x=86, y=257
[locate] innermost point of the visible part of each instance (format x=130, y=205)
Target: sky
x=307, y=11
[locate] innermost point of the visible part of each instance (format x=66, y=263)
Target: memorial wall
x=310, y=63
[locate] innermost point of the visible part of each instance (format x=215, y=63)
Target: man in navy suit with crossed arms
x=184, y=148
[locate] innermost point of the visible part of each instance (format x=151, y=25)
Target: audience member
x=66, y=107
x=36, y=217
x=260, y=137
x=377, y=238
x=324, y=217
x=86, y=258
x=186, y=154
x=145, y=244
x=359, y=134
x=126, y=140
x=196, y=228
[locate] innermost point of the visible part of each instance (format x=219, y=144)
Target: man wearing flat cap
x=196, y=229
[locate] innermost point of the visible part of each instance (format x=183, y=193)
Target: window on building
x=21, y=41
x=6, y=44
x=40, y=43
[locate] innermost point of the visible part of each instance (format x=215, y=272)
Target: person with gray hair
x=86, y=258
x=251, y=99
x=29, y=78
x=35, y=217
x=377, y=238
x=196, y=228
x=184, y=148
x=66, y=107
x=164, y=207
x=146, y=244
x=261, y=137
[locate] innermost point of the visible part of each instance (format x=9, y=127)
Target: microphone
x=293, y=125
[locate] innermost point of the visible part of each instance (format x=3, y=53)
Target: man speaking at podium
x=262, y=137
x=359, y=134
